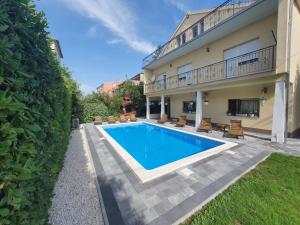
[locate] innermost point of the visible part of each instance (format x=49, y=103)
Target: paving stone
x=152, y=201
x=166, y=199
x=162, y=207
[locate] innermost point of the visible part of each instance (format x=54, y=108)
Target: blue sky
x=105, y=40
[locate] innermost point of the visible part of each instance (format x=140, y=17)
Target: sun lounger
x=163, y=119
x=123, y=119
x=133, y=118
x=205, y=125
x=235, y=129
x=97, y=120
x=111, y=119
x=181, y=122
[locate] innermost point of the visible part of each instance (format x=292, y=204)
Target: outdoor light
x=263, y=98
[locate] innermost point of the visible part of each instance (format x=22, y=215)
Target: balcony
x=252, y=63
x=216, y=16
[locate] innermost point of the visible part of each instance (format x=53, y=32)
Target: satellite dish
x=153, y=78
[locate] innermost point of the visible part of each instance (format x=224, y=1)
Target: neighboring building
x=232, y=62
x=108, y=88
x=55, y=46
x=137, y=79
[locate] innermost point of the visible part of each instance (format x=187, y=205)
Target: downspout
x=290, y=24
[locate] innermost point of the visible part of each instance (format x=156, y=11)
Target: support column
x=198, y=109
x=147, y=108
x=162, y=105
x=279, y=113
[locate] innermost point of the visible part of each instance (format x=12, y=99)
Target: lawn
x=269, y=194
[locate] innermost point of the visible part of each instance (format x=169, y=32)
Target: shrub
x=92, y=109
x=36, y=96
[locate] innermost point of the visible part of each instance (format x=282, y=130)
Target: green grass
x=268, y=195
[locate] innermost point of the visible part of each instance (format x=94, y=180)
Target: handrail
x=207, y=25
x=253, y=62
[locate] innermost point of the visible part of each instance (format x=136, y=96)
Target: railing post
x=226, y=70
x=273, y=57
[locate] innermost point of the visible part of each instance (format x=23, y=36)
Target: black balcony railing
x=255, y=62
x=213, y=18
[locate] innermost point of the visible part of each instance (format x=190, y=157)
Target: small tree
x=136, y=94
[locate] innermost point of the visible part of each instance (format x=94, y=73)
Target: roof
x=109, y=84
x=204, y=12
x=189, y=13
x=135, y=77
x=57, y=45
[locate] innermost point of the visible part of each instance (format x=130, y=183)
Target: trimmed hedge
x=36, y=96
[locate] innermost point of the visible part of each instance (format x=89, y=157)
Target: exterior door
x=162, y=81
x=234, y=56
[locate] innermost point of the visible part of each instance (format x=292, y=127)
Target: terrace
x=169, y=199
x=175, y=196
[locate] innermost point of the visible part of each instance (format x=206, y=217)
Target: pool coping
x=148, y=175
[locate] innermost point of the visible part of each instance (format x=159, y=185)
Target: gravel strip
x=75, y=198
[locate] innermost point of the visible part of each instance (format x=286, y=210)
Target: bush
x=36, y=96
x=92, y=109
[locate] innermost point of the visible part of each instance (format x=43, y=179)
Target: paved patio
x=174, y=197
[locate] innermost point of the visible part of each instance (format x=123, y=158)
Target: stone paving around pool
x=172, y=198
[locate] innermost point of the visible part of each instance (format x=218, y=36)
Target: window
x=201, y=27
x=243, y=107
x=189, y=106
x=181, y=39
x=183, y=71
x=178, y=40
x=198, y=29
x=195, y=31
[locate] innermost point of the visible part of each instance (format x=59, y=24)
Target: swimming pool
x=153, y=148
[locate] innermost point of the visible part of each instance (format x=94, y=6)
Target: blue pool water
x=153, y=146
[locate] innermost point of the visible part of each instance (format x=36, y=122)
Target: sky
x=106, y=40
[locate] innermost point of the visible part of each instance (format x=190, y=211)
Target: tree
x=136, y=94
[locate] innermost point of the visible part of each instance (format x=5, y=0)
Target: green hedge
x=92, y=109
x=36, y=96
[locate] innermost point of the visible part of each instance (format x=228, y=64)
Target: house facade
x=237, y=61
x=108, y=88
x=55, y=46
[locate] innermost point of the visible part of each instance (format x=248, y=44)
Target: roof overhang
x=259, y=10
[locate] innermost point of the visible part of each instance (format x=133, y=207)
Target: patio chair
x=123, y=119
x=205, y=125
x=133, y=118
x=181, y=122
x=236, y=129
x=163, y=119
x=184, y=117
x=111, y=119
x=97, y=120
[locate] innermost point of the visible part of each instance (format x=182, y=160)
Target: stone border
x=105, y=193
x=147, y=175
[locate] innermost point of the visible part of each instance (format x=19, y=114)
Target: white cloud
x=117, y=17
x=87, y=89
x=92, y=32
x=114, y=41
x=178, y=4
